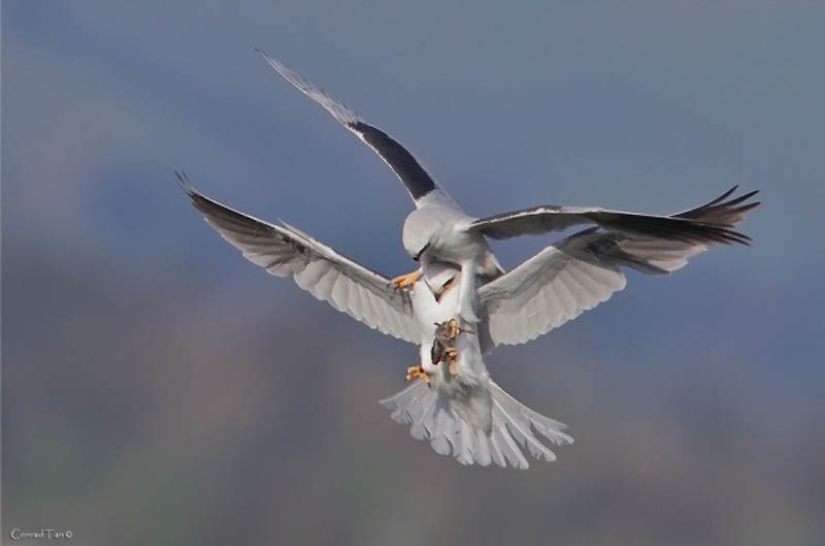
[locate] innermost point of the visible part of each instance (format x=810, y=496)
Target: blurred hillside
x=125, y=410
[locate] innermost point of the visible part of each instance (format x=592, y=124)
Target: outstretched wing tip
x=183, y=181
x=278, y=66
x=712, y=222
x=188, y=188
x=400, y=160
x=513, y=303
x=262, y=52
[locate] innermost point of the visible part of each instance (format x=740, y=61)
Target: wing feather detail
x=285, y=251
x=403, y=163
x=579, y=272
x=708, y=223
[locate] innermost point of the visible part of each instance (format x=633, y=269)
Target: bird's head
x=417, y=236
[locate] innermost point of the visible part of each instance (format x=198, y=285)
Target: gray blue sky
x=645, y=106
x=653, y=109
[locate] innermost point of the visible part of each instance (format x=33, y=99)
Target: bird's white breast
x=429, y=312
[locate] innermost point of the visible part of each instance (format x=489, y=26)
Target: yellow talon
x=453, y=328
x=417, y=372
x=403, y=281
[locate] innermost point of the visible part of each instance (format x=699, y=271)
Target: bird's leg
x=466, y=294
x=402, y=281
x=453, y=366
x=417, y=372
x=444, y=346
x=446, y=334
x=454, y=330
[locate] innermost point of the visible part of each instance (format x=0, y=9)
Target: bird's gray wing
x=687, y=227
x=579, y=272
x=285, y=251
x=420, y=185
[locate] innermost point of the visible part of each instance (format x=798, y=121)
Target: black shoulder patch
x=415, y=178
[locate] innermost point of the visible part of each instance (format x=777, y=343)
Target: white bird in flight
x=438, y=230
x=453, y=402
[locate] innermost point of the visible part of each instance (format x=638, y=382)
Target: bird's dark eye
x=420, y=252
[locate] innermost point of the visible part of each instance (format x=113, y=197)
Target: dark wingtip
x=724, y=196
x=185, y=185
x=741, y=199
x=400, y=160
x=197, y=199
x=262, y=52
x=749, y=206
x=202, y=203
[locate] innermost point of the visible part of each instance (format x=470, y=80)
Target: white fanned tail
x=461, y=411
x=453, y=427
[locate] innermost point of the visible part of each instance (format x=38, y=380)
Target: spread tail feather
x=445, y=423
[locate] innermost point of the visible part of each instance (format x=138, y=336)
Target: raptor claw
x=403, y=281
x=417, y=372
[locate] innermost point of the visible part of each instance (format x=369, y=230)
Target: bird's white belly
x=430, y=312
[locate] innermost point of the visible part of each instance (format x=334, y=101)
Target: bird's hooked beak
x=422, y=251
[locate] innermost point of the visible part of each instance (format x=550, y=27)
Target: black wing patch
x=709, y=223
x=408, y=169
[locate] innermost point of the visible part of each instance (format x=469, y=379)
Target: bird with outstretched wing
x=452, y=401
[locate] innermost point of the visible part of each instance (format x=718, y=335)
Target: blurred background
x=159, y=389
